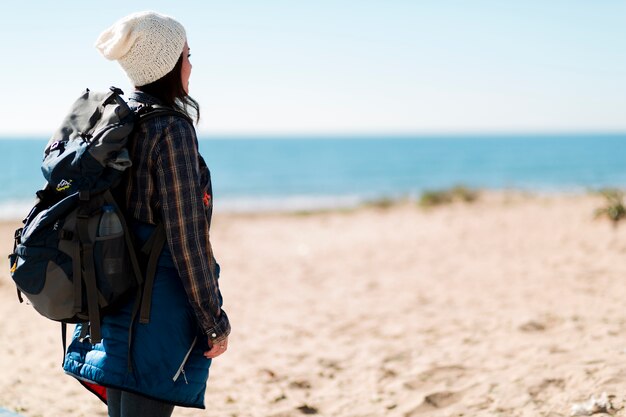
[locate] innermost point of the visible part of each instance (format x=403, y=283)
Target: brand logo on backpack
x=64, y=185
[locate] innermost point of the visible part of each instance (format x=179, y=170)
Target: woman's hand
x=216, y=349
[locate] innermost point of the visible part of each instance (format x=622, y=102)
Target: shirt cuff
x=219, y=330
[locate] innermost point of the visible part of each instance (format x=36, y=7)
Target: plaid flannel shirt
x=170, y=182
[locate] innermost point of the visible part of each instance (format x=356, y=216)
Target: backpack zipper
x=181, y=369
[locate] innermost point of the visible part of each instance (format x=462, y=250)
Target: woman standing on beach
x=147, y=369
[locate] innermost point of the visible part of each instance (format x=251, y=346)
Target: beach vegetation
x=431, y=198
x=313, y=212
x=464, y=194
x=614, y=208
x=382, y=203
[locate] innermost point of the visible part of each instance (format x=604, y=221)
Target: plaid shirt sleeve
x=180, y=190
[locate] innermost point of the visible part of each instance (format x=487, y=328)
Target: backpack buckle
x=143, y=109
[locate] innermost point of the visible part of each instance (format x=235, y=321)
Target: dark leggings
x=127, y=404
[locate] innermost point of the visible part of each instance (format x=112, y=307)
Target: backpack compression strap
x=89, y=277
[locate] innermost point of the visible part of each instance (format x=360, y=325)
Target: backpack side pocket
x=44, y=276
x=113, y=274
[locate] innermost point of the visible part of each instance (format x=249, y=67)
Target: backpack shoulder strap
x=152, y=248
x=148, y=112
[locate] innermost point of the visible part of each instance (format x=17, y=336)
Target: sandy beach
x=509, y=306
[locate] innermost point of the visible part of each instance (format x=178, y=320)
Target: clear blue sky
x=395, y=66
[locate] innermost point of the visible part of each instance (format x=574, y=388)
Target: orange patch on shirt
x=206, y=199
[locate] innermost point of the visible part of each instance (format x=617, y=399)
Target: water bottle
x=110, y=223
x=110, y=245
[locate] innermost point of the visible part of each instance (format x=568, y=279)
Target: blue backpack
x=74, y=259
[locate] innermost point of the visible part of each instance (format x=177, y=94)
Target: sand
x=509, y=306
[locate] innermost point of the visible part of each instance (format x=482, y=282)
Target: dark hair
x=169, y=89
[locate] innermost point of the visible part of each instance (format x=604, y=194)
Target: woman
x=148, y=368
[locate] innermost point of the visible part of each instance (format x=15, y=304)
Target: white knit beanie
x=146, y=44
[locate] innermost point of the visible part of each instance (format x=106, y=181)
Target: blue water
x=263, y=173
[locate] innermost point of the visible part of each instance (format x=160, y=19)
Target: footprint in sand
x=435, y=401
x=448, y=375
x=533, y=326
x=546, y=389
x=307, y=409
x=300, y=384
x=541, y=324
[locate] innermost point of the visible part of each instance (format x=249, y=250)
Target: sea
x=255, y=174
